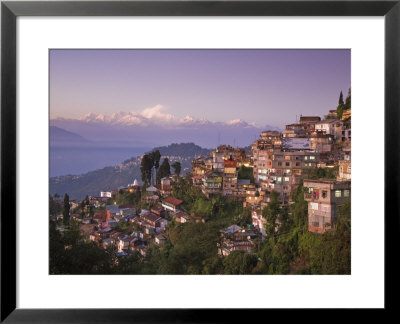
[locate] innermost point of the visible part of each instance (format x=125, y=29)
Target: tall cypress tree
x=155, y=157
x=177, y=167
x=164, y=171
x=340, y=107
x=66, y=210
x=145, y=168
x=341, y=102
x=348, y=100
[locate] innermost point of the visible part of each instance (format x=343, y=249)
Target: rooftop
x=173, y=201
x=151, y=217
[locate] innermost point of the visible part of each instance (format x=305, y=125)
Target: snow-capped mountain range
x=156, y=126
x=152, y=116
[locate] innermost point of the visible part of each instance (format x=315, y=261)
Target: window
x=312, y=157
x=287, y=163
x=338, y=193
x=286, y=179
x=315, y=224
x=324, y=193
x=297, y=163
x=346, y=193
x=279, y=163
x=306, y=158
x=287, y=157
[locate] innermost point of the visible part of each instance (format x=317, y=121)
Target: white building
x=105, y=194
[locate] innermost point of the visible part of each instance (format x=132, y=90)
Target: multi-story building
x=344, y=173
x=230, y=177
x=330, y=126
x=269, y=140
x=324, y=197
x=235, y=238
x=212, y=183
x=321, y=142
x=283, y=170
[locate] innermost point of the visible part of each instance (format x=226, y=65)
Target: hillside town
x=311, y=156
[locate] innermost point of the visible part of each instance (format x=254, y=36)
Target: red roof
x=173, y=201
x=101, y=215
x=230, y=163
x=309, y=118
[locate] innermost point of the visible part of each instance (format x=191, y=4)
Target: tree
x=156, y=156
x=239, y=262
x=164, y=171
x=341, y=98
x=246, y=173
x=145, y=169
x=244, y=218
x=177, y=167
x=155, y=162
x=91, y=212
x=347, y=105
x=340, y=107
x=271, y=213
x=55, y=207
x=66, y=210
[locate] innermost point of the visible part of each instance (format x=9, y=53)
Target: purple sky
x=261, y=86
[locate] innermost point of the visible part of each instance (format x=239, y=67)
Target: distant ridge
x=61, y=136
x=113, y=177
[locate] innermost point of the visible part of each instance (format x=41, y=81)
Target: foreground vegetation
x=191, y=248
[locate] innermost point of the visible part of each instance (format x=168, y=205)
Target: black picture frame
x=10, y=10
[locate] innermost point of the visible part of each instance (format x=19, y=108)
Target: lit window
x=346, y=193
x=312, y=157
x=338, y=193
x=286, y=179
x=305, y=158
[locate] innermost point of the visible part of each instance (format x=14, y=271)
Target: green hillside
x=108, y=178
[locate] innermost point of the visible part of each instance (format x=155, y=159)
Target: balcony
x=310, y=196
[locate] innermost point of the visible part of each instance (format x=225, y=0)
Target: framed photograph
x=183, y=156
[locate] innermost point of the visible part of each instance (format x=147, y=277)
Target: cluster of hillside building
x=279, y=161
x=150, y=225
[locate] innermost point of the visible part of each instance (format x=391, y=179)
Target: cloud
x=157, y=112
